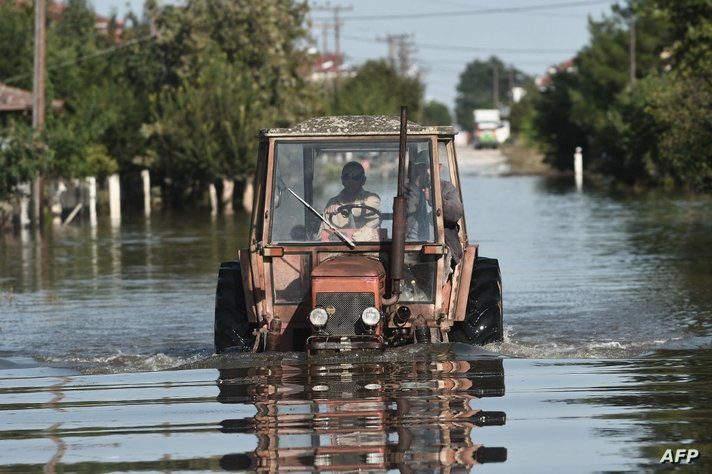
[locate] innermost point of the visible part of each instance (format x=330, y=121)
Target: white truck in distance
x=490, y=130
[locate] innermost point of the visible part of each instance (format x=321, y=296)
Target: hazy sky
x=445, y=35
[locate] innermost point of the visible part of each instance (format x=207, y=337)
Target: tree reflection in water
x=411, y=416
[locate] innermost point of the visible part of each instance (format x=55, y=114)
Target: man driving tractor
x=366, y=220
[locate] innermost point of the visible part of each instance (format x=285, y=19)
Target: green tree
x=18, y=157
x=665, y=120
x=17, y=151
x=436, y=113
x=377, y=89
x=475, y=90
x=553, y=130
x=231, y=68
x=16, y=44
x=603, y=74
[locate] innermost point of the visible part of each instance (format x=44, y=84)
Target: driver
x=353, y=177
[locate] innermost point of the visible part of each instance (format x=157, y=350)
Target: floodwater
x=106, y=360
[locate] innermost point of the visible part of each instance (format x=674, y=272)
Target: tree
x=555, y=133
x=232, y=67
x=665, y=120
x=377, y=89
x=479, y=83
x=436, y=113
x=603, y=74
x=16, y=44
x=18, y=163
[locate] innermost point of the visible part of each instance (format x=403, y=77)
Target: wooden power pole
x=38, y=100
x=631, y=50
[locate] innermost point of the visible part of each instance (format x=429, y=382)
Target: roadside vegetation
x=651, y=125
x=182, y=91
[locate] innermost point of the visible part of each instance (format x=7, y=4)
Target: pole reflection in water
x=411, y=416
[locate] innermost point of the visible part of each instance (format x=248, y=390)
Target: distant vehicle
x=490, y=130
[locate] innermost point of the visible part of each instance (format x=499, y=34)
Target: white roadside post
x=248, y=196
x=146, y=178
x=24, y=192
x=578, y=168
x=115, y=199
x=59, y=189
x=91, y=183
x=228, y=189
x=212, y=192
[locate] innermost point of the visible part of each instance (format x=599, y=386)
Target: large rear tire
x=484, y=321
x=233, y=330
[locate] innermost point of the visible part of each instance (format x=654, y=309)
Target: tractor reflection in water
x=373, y=416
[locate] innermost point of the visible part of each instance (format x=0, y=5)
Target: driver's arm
x=371, y=219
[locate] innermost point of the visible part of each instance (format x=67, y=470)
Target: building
x=13, y=99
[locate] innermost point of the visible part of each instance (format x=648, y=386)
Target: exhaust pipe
x=400, y=208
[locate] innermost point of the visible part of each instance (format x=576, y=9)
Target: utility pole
x=631, y=45
x=337, y=35
x=392, y=55
x=495, y=84
x=399, y=52
x=510, y=84
x=38, y=100
x=337, y=24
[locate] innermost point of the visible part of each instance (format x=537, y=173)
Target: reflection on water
x=435, y=409
x=412, y=416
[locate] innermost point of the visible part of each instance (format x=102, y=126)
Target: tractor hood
x=350, y=266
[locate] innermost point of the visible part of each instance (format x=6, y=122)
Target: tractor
x=333, y=264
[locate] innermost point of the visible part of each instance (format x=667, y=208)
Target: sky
x=445, y=35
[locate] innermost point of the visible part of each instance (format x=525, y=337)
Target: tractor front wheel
x=233, y=330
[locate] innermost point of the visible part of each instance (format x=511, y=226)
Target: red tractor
x=357, y=242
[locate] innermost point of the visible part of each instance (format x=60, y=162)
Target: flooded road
x=432, y=409
x=605, y=363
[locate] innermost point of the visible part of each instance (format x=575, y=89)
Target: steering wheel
x=346, y=209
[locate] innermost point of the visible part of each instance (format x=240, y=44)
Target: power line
x=486, y=11
x=469, y=48
x=80, y=59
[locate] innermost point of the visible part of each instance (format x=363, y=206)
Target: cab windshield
x=342, y=191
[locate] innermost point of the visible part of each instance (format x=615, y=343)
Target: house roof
x=13, y=99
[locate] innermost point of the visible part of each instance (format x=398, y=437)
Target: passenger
x=353, y=177
x=419, y=221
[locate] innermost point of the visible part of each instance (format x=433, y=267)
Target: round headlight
x=371, y=316
x=318, y=317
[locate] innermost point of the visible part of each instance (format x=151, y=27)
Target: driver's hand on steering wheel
x=332, y=209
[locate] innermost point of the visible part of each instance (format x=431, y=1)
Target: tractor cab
x=347, y=246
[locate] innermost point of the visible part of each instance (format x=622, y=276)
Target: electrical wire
x=80, y=59
x=484, y=11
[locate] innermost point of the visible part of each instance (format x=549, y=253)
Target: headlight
x=318, y=317
x=370, y=316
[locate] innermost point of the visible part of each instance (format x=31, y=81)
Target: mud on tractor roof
x=354, y=125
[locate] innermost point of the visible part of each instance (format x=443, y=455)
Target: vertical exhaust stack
x=400, y=207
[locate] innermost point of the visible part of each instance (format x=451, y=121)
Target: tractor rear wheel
x=483, y=321
x=232, y=327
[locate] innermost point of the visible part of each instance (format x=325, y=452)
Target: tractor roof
x=354, y=125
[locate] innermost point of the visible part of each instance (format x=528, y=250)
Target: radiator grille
x=346, y=320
